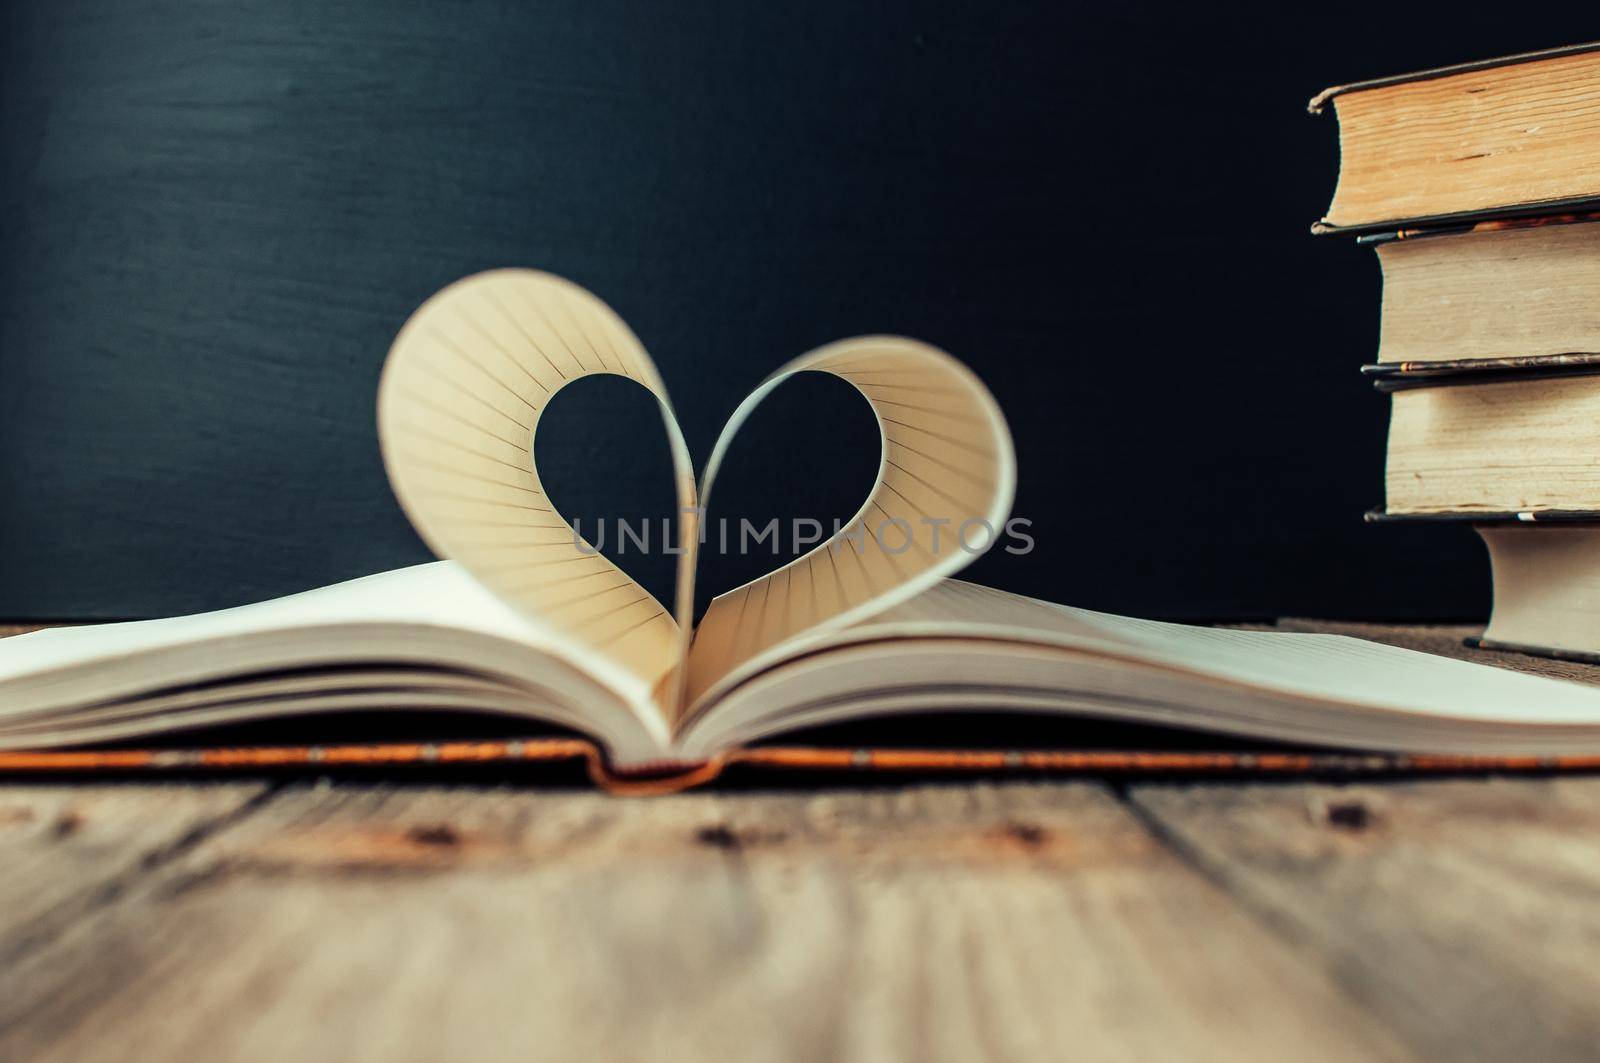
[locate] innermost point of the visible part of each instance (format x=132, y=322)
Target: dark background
x=215, y=217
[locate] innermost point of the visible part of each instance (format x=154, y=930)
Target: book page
x=946, y=477
x=427, y=636
x=458, y=408
x=1323, y=667
x=975, y=649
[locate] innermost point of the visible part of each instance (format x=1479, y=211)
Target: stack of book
x=1479, y=188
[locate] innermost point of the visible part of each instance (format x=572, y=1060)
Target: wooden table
x=262, y=919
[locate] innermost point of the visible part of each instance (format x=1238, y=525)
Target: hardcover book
x=1519, y=134
x=1513, y=445
x=1546, y=589
x=525, y=621
x=1498, y=295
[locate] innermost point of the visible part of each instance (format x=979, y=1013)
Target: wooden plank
x=1465, y=912
x=930, y=922
x=67, y=850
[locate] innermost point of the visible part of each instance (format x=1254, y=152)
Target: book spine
x=355, y=755
x=659, y=780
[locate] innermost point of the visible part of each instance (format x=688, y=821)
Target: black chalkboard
x=216, y=216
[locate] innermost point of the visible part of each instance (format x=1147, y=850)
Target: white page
x=1354, y=671
x=1333, y=668
x=439, y=593
x=465, y=385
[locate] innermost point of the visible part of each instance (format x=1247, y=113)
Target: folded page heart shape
x=458, y=407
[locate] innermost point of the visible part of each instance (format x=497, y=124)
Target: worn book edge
x=1319, y=102
x=1478, y=642
x=1464, y=219
x=1379, y=515
x=1455, y=372
x=1495, y=224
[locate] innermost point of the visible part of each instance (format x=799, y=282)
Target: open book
x=527, y=621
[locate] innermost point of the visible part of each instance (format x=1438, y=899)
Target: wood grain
x=1466, y=914
x=68, y=850
x=958, y=922
x=1408, y=919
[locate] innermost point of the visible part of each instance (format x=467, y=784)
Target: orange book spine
x=670, y=777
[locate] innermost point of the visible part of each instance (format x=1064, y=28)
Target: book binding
x=1469, y=516
x=1462, y=220
x=672, y=778
x=1455, y=372
x=1497, y=223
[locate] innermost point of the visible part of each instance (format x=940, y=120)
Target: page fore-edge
x=1319, y=103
